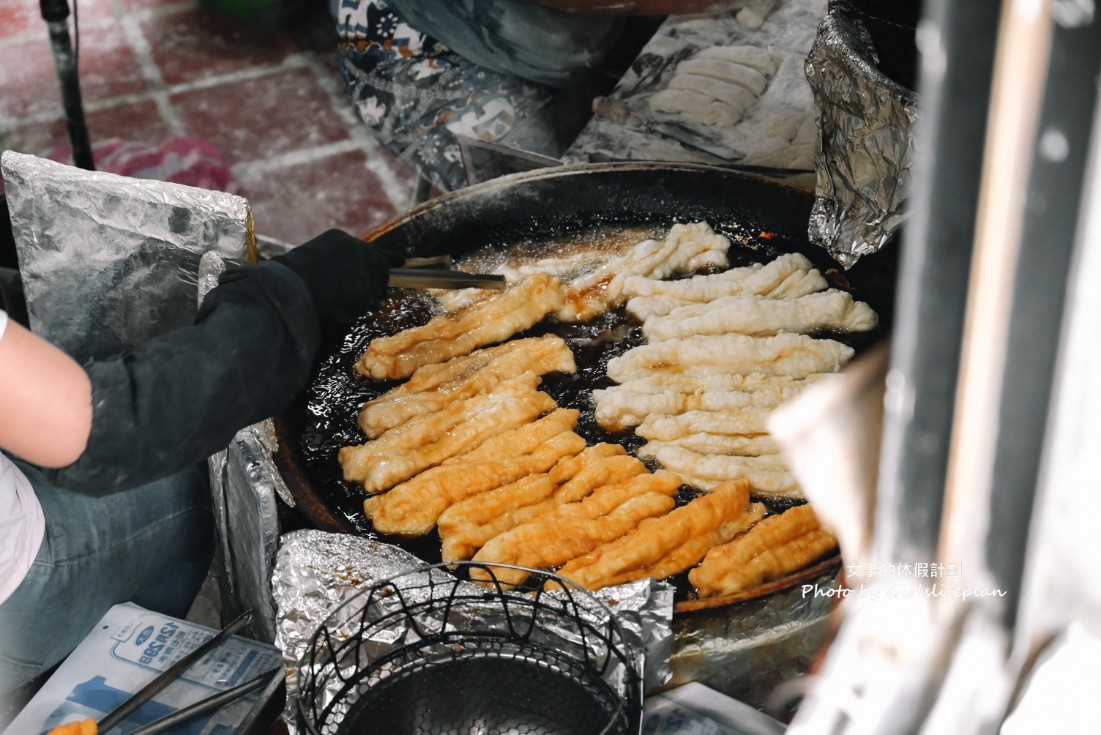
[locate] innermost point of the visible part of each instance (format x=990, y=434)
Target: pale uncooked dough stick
x=619, y=409
x=758, y=58
x=731, y=93
x=743, y=445
x=663, y=382
x=727, y=71
x=749, y=421
x=834, y=310
x=788, y=275
x=796, y=355
x=716, y=466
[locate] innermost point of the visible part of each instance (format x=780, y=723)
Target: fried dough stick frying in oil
x=413, y=507
x=577, y=528
x=466, y=526
x=661, y=547
x=795, y=355
x=433, y=387
x=446, y=435
x=776, y=546
x=449, y=335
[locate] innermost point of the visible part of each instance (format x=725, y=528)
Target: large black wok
x=770, y=215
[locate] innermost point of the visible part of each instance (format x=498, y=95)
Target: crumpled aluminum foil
x=754, y=650
x=109, y=261
x=865, y=147
x=317, y=572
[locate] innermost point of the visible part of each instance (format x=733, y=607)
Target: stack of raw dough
x=718, y=85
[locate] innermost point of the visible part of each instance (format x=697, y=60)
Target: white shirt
x=22, y=524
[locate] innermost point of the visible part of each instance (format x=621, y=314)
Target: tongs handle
x=91, y=727
x=443, y=278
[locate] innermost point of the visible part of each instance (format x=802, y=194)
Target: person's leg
x=517, y=37
x=151, y=545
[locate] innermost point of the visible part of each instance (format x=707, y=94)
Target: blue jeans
x=151, y=545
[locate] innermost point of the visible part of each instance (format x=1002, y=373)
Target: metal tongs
x=437, y=273
x=113, y=719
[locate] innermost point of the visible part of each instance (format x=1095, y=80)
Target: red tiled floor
x=194, y=44
x=301, y=201
x=19, y=16
x=261, y=117
x=28, y=77
x=252, y=93
x=138, y=121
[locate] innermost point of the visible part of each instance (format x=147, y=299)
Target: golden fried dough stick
x=482, y=525
x=618, y=408
x=469, y=523
x=796, y=355
x=523, y=439
x=668, y=544
x=464, y=377
x=833, y=309
x=428, y=427
x=577, y=528
x=380, y=468
x=683, y=247
x=448, y=335
x=776, y=546
x=412, y=508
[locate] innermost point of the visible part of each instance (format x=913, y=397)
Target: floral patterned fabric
x=417, y=96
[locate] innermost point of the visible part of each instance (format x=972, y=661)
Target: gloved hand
x=345, y=275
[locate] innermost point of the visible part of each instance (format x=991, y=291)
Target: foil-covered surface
x=865, y=146
x=109, y=261
x=244, y=486
x=320, y=577
x=755, y=650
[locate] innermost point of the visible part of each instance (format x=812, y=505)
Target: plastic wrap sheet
x=316, y=572
x=749, y=650
x=109, y=261
x=864, y=143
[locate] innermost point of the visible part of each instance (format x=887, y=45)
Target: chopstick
x=89, y=726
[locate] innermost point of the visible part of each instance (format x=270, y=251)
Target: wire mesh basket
x=430, y=651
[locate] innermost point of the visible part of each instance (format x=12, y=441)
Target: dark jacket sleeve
x=183, y=395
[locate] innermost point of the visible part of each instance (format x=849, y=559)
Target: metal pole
x=56, y=15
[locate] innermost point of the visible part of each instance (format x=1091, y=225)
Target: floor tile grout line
x=296, y=157
x=151, y=73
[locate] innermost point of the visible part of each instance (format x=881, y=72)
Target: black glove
x=345, y=275
x=181, y=396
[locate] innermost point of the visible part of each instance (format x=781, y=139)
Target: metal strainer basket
x=430, y=651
